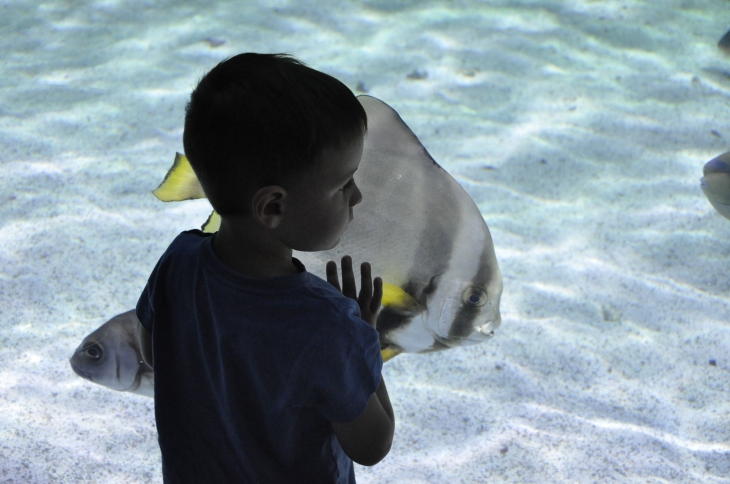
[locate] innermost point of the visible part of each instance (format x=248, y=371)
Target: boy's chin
x=337, y=242
x=329, y=246
x=319, y=247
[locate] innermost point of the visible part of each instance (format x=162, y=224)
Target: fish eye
x=474, y=296
x=93, y=352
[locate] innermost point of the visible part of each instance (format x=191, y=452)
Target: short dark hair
x=255, y=119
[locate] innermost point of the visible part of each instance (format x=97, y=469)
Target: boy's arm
x=368, y=438
x=145, y=344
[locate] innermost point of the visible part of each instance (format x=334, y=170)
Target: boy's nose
x=356, y=197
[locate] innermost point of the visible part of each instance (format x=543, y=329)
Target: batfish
x=110, y=356
x=716, y=183
x=420, y=231
x=418, y=228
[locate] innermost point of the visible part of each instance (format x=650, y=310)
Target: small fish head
x=108, y=357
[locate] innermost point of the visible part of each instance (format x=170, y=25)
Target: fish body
x=110, y=356
x=716, y=183
x=425, y=237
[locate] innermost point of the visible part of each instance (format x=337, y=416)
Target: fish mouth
x=479, y=334
x=80, y=372
x=487, y=329
x=703, y=183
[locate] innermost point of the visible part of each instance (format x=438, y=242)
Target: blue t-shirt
x=249, y=372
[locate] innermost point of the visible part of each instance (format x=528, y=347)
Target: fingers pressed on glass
x=348, y=278
x=332, y=278
x=377, y=294
x=366, y=281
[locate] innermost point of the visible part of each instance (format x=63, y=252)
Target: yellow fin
x=180, y=183
x=396, y=298
x=212, y=224
x=389, y=353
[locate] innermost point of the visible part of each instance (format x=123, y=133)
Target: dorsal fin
x=180, y=183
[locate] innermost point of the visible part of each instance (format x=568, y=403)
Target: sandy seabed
x=579, y=128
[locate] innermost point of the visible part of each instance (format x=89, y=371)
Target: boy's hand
x=369, y=299
x=367, y=439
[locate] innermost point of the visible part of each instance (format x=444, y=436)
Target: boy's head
x=262, y=119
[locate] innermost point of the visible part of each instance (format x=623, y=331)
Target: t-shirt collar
x=245, y=282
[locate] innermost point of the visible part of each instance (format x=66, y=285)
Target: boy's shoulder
x=190, y=244
x=185, y=245
x=319, y=288
x=188, y=240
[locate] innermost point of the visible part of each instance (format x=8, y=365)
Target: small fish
x=716, y=183
x=724, y=43
x=110, y=356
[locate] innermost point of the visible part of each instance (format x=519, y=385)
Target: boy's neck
x=251, y=253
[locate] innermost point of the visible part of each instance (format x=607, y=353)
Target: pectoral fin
x=396, y=299
x=180, y=183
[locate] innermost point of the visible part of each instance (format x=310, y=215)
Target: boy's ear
x=268, y=206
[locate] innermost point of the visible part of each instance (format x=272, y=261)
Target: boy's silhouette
x=263, y=371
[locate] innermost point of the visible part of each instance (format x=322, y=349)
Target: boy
x=264, y=372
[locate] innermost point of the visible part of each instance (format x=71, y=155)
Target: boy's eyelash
x=349, y=184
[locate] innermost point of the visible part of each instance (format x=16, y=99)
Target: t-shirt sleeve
x=145, y=308
x=154, y=289
x=345, y=369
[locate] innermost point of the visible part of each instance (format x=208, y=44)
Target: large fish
x=110, y=356
x=420, y=231
x=716, y=183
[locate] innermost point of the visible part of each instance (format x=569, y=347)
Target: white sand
x=596, y=116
